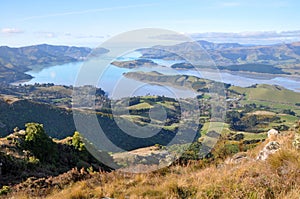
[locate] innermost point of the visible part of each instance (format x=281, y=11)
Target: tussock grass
x=277, y=177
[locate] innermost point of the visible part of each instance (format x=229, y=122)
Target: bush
x=33, y=160
x=223, y=149
x=38, y=142
x=289, y=112
x=4, y=190
x=192, y=153
x=77, y=141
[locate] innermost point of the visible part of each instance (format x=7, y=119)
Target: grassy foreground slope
x=276, y=177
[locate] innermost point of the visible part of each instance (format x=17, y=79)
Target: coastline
x=16, y=83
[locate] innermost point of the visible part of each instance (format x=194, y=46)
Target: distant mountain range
x=15, y=61
x=283, y=56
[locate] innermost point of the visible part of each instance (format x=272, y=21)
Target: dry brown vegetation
x=277, y=177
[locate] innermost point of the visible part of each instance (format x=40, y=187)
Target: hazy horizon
x=88, y=23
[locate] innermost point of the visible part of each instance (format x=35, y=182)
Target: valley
x=150, y=99
x=204, y=131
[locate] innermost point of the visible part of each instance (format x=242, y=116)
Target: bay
x=116, y=85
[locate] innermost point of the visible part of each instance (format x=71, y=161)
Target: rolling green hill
x=269, y=93
x=180, y=81
x=253, y=67
x=59, y=122
x=283, y=56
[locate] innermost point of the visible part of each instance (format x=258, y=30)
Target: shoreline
x=20, y=81
x=241, y=73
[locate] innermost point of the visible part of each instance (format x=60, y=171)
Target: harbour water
x=112, y=77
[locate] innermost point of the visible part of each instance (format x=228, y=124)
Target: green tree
x=289, y=112
x=77, y=141
x=38, y=142
x=251, y=121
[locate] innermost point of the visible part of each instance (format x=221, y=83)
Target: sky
x=90, y=22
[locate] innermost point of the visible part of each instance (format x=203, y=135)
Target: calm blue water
x=116, y=85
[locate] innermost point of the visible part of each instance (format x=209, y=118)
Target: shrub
x=33, y=160
x=77, y=141
x=223, y=149
x=38, y=142
x=183, y=191
x=5, y=190
x=289, y=112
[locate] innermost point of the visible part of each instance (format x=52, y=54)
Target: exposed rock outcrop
x=272, y=133
x=269, y=149
x=296, y=142
x=237, y=158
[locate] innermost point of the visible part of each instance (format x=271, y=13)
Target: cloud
x=250, y=37
x=230, y=4
x=46, y=34
x=173, y=37
x=89, y=36
x=11, y=30
x=84, y=36
x=250, y=34
x=253, y=37
x=68, y=34
x=87, y=11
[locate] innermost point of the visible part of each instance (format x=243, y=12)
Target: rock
x=166, y=161
x=272, y=132
x=237, y=158
x=296, y=142
x=269, y=149
x=144, y=161
x=152, y=159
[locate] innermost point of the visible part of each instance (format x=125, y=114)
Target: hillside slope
x=22, y=158
x=15, y=112
x=281, y=56
x=243, y=175
x=15, y=61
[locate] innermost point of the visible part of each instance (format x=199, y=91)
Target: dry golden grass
x=262, y=113
x=277, y=177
